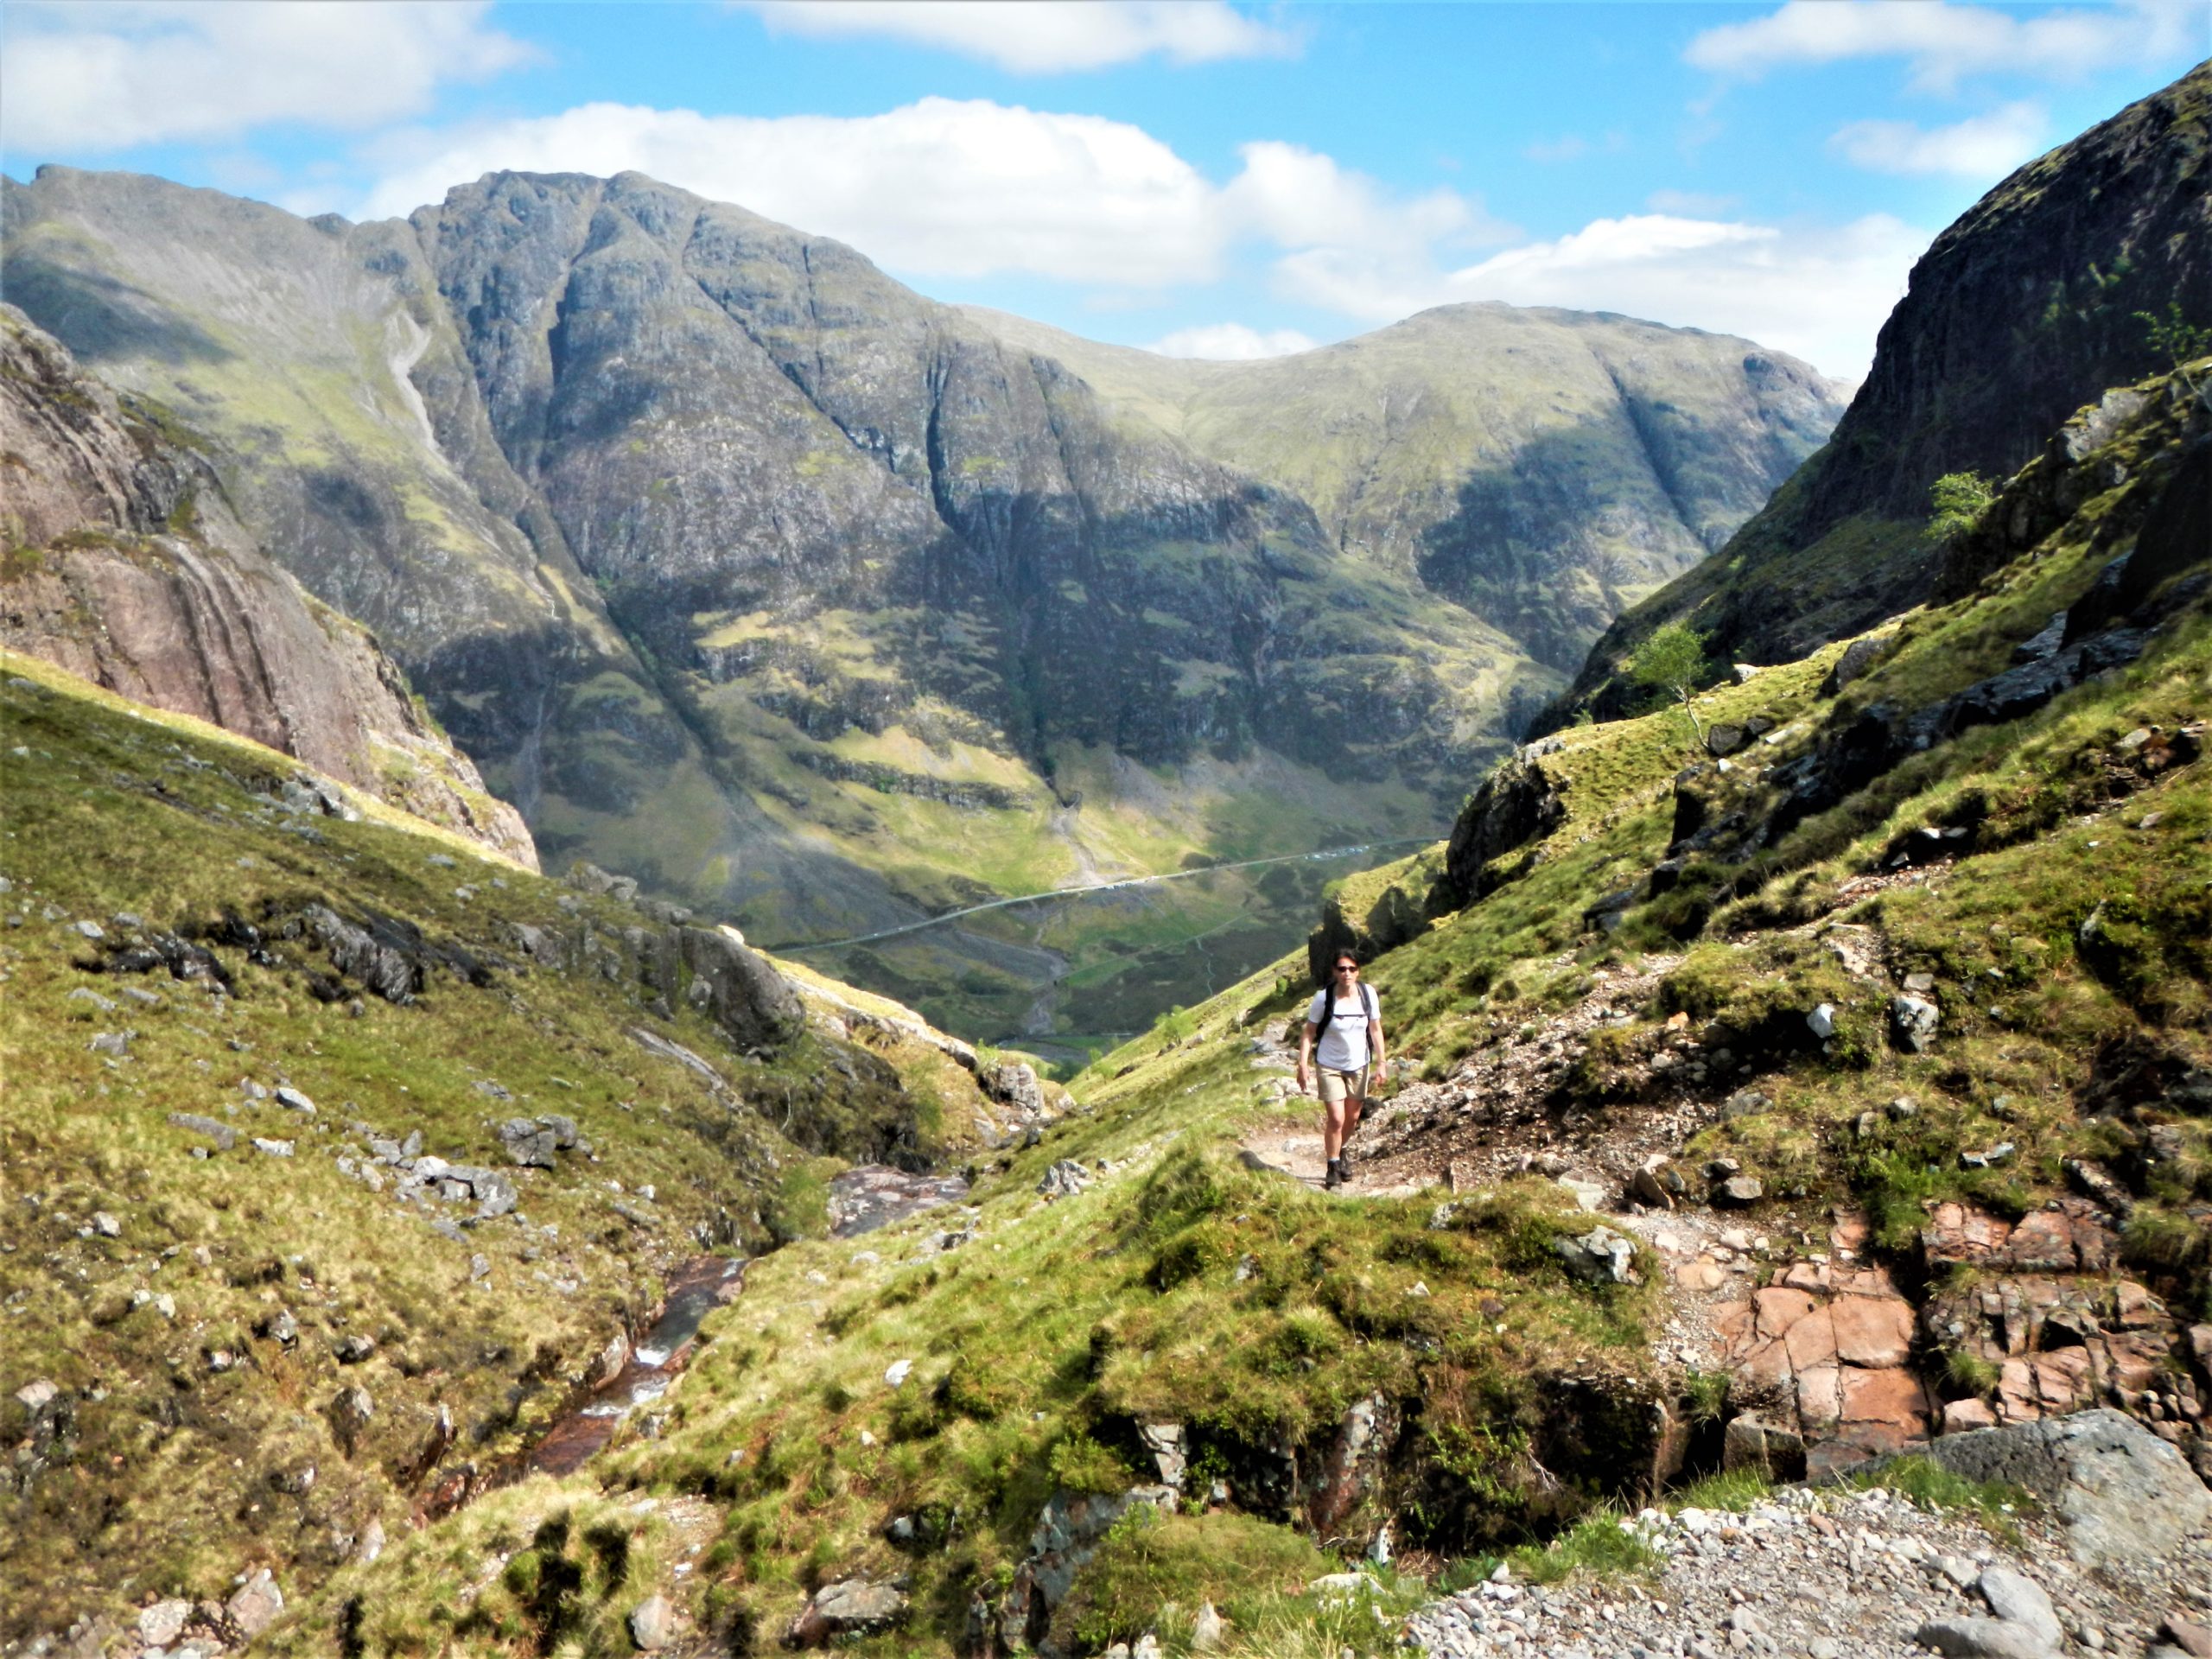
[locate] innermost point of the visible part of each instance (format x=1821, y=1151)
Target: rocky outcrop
x=1517, y=803
x=124, y=565
x=2024, y=307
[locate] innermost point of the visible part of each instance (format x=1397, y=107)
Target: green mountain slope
x=2039, y=297
x=279, y=1271
x=1541, y=469
x=739, y=567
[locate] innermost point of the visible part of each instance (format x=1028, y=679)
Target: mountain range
x=737, y=566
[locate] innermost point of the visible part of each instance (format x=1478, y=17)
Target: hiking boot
x=1334, y=1177
x=1344, y=1167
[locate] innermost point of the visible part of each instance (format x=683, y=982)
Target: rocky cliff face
x=123, y=564
x=2028, y=306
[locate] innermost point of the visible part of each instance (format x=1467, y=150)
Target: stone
x=2020, y=1600
x=257, y=1604
x=2191, y=1637
x=1752, y=1441
x=1859, y=656
x=1913, y=1023
x=898, y=1371
x=106, y=1225
x=1872, y=1331
x=293, y=1100
x=1589, y=1196
x=116, y=1044
x=850, y=1607
x=1822, y=1021
x=1983, y=1638
x=1738, y=1191
x=355, y=1349
x=1063, y=1179
x=1164, y=1442
x=273, y=1148
x=1598, y=1257
x=221, y=1133
x=162, y=1622
x=1208, y=1630
x=1963, y=1416
x=652, y=1624
x=2119, y=1492
x=350, y=1411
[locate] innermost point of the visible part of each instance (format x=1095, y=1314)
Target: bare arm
x=1375, y=1045
x=1304, y=1055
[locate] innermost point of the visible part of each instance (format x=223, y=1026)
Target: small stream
x=695, y=1290
x=861, y=1200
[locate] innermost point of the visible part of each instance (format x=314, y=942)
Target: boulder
x=652, y=1624
x=1739, y=1192
x=2019, y=1599
x=2119, y=1492
x=1913, y=1023
x=850, y=1607
x=162, y=1622
x=214, y=1129
x=1857, y=657
x=1983, y=1638
x=256, y=1606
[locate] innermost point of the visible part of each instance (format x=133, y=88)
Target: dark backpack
x=1329, y=1008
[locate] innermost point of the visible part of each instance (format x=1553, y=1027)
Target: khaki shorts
x=1336, y=1085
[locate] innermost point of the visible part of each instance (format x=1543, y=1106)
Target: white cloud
x=1231, y=342
x=106, y=77
x=960, y=188
x=1945, y=42
x=1040, y=36
x=1298, y=198
x=1819, y=294
x=1983, y=147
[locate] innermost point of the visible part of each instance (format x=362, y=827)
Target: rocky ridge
x=2024, y=309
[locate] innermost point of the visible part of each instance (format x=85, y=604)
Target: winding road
x=1094, y=888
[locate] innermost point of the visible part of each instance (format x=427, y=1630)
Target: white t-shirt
x=1343, y=1046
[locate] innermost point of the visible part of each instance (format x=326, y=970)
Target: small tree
x=1672, y=659
x=2173, y=337
x=1959, y=500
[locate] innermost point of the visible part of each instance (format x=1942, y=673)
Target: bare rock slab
x=2120, y=1492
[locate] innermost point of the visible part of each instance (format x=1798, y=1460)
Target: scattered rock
x=2020, y=1600
x=1822, y=1021
x=106, y=1225
x=1063, y=1179
x=1598, y=1255
x=256, y=1606
x=652, y=1624
x=1738, y=1191
x=1208, y=1631
x=162, y=1622
x=1913, y=1023
x=349, y=1412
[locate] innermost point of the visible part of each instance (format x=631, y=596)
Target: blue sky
x=1195, y=176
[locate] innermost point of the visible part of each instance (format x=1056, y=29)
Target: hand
x=1305, y=1081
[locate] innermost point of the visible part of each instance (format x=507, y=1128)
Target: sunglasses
x=1347, y=967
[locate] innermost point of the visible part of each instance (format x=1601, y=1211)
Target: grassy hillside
x=189, y=1257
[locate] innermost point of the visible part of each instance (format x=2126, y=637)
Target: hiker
x=1348, y=1022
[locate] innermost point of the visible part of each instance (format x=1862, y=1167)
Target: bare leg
x=1333, y=1129
x=1354, y=1105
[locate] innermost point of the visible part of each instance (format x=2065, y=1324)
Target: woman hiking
x=1347, y=1019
